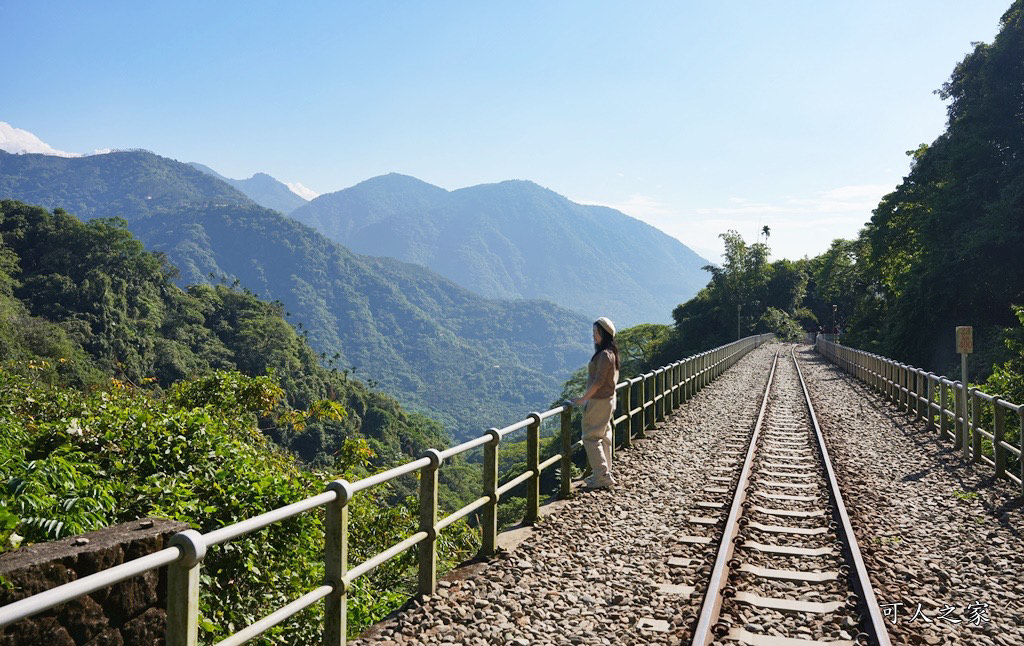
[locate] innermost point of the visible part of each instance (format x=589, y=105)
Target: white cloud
x=844, y=199
x=742, y=208
x=660, y=215
x=642, y=207
x=800, y=225
x=16, y=140
x=302, y=191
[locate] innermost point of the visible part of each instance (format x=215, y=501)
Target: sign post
x=964, y=347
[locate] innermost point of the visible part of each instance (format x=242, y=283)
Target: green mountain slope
x=90, y=302
x=516, y=240
x=438, y=347
x=129, y=184
x=261, y=189
x=467, y=361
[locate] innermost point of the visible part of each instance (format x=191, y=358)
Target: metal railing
x=644, y=401
x=929, y=397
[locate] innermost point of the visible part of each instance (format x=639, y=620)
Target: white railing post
x=427, y=548
x=943, y=416
x=533, y=464
x=336, y=564
x=183, y=589
x=1020, y=443
x=662, y=380
x=928, y=407
x=489, y=527
x=998, y=431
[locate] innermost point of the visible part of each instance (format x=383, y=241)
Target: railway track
x=773, y=538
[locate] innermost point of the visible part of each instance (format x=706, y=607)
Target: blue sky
x=694, y=116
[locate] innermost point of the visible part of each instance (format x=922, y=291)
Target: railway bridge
x=768, y=494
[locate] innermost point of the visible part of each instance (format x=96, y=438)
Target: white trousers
x=597, y=435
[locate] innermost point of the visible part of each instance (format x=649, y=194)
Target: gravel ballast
x=933, y=529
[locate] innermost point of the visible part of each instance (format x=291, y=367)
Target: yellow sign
x=964, y=339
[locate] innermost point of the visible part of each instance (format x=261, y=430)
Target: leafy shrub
x=75, y=462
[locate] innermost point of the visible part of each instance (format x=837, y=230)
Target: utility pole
x=738, y=306
x=835, y=336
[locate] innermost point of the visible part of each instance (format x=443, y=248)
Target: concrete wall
x=129, y=613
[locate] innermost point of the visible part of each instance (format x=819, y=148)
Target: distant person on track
x=599, y=404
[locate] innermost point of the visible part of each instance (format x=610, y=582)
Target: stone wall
x=128, y=613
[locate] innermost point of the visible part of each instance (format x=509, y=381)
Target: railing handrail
x=187, y=549
x=915, y=390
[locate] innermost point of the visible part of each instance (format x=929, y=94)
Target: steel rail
x=551, y=412
x=875, y=623
x=511, y=428
x=515, y=482
x=266, y=519
x=462, y=513
x=711, y=607
x=384, y=556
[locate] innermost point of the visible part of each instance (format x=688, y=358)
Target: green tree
x=740, y=291
x=638, y=345
x=944, y=246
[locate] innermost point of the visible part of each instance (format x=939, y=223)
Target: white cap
x=606, y=323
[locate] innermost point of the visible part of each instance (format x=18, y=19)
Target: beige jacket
x=601, y=370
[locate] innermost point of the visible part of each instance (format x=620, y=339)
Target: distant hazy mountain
x=261, y=189
x=516, y=240
x=469, y=361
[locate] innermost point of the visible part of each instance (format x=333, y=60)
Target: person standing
x=598, y=401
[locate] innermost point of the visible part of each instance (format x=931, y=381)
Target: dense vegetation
x=92, y=300
x=81, y=302
x=1007, y=379
x=76, y=461
x=746, y=295
x=128, y=184
x=397, y=326
x=516, y=239
x=466, y=360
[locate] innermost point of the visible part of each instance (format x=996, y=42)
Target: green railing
x=642, y=402
x=942, y=403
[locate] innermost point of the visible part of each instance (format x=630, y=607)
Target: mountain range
x=516, y=239
x=468, y=361
x=261, y=189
